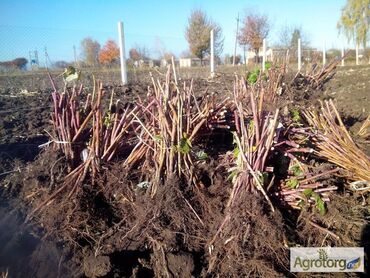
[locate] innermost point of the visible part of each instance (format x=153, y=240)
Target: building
x=193, y=62
x=251, y=55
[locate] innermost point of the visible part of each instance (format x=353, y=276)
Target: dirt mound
x=113, y=225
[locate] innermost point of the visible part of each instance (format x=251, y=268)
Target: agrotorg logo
x=326, y=260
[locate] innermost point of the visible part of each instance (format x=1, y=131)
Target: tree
x=288, y=37
x=168, y=56
x=134, y=54
x=198, y=35
x=17, y=63
x=355, y=21
x=20, y=63
x=90, y=51
x=109, y=53
x=254, y=29
x=61, y=64
x=238, y=58
x=139, y=53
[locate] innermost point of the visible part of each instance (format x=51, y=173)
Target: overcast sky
x=59, y=25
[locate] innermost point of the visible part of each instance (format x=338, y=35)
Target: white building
x=250, y=55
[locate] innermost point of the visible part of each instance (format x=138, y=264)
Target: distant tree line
x=354, y=23
x=18, y=63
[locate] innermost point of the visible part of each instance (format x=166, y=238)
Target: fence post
x=121, y=40
x=212, y=62
x=324, y=54
x=299, y=54
x=357, y=62
x=264, y=55
x=342, y=62
x=174, y=69
x=272, y=55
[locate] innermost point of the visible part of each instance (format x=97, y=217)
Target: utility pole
x=37, y=57
x=324, y=54
x=74, y=54
x=236, y=39
x=46, y=56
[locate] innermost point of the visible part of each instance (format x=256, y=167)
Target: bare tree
x=61, y=64
x=254, y=29
x=168, y=56
x=90, y=51
x=138, y=52
x=289, y=35
x=198, y=35
x=134, y=54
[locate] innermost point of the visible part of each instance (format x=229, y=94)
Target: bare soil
x=117, y=230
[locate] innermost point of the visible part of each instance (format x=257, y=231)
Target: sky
x=58, y=26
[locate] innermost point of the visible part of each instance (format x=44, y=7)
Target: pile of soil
x=115, y=229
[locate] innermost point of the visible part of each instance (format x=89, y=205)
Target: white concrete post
x=264, y=55
x=212, y=63
x=272, y=55
x=342, y=62
x=357, y=62
x=299, y=54
x=324, y=54
x=174, y=69
x=121, y=40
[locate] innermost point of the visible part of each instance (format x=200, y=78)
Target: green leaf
x=68, y=71
x=233, y=174
x=301, y=203
x=107, y=119
x=158, y=138
x=263, y=177
x=72, y=77
x=296, y=117
x=308, y=192
x=236, y=152
x=250, y=126
x=292, y=183
x=252, y=76
x=320, y=204
x=184, y=146
x=201, y=155
x=297, y=171
x=70, y=74
x=268, y=65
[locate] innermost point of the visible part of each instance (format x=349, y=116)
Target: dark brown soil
x=117, y=230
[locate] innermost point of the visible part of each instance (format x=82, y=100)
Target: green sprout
x=252, y=76
x=107, y=119
x=297, y=171
x=296, y=117
x=184, y=146
x=201, y=155
x=320, y=204
x=250, y=127
x=158, y=138
x=268, y=65
x=70, y=74
x=293, y=183
x=263, y=177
